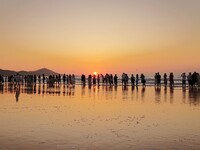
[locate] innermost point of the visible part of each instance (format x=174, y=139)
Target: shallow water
x=99, y=118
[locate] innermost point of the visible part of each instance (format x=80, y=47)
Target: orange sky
x=115, y=36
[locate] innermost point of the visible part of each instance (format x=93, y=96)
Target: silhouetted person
x=155, y=78
x=111, y=79
x=171, y=79
x=137, y=79
x=158, y=79
x=35, y=79
x=123, y=78
x=73, y=79
x=90, y=80
x=83, y=79
x=43, y=79
x=183, y=79
x=189, y=78
x=67, y=79
x=115, y=79
x=132, y=80
x=198, y=79
x=94, y=79
x=98, y=79
x=64, y=79
x=59, y=79
x=165, y=79
x=39, y=79
x=143, y=80
x=194, y=79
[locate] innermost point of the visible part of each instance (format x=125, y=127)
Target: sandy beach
x=76, y=117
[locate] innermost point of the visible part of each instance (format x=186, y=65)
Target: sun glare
x=95, y=73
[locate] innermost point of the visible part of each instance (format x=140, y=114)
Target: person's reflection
x=115, y=91
x=83, y=90
x=29, y=89
x=171, y=94
x=124, y=88
x=115, y=87
x=194, y=95
x=98, y=88
x=184, y=94
x=143, y=92
x=73, y=90
x=89, y=86
x=94, y=88
x=22, y=88
x=89, y=90
x=39, y=89
x=17, y=93
x=43, y=89
x=165, y=93
x=124, y=92
x=132, y=88
x=94, y=91
x=64, y=89
x=1, y=88
x=132, y=91
x=58, y=90
x=10, y=88
x=34, y=88
x=157, y=94
x=136, y=92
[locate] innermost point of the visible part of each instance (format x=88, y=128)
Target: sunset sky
x=115, y=36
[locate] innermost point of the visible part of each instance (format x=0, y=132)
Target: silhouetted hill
x=44, y=71
x=7, y=72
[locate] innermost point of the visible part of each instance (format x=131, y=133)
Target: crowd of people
x=192, y=79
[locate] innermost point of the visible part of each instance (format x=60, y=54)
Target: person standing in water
x=143, y=80
x=132, y=80
x=165, y=79
x=90, y=80
x=94, y=79
x=171, y=79
x=98, y=79
x=189, y=78
x=83, y=79
x=183, y=79
x=137, y=79
x=115, y=79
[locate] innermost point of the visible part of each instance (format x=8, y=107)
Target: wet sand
x=99, y=118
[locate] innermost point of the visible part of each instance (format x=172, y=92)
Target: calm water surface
x=102, y=117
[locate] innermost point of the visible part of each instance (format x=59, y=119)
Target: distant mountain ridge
x=41, y=71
